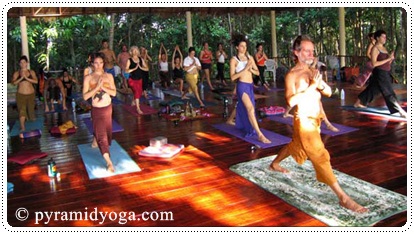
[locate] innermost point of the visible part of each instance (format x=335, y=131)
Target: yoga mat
x=116, y=101
x=172, y=92
x=24, y=157
x=30, y=126
x=116, y=127
x=150, y=97
x=300, y=188
x=195, y=102
x=377, y=111
x=275, y=138
x=10, y=187
x=95, y=163
x=58, y=109
x=289, y=120
x=144, y=108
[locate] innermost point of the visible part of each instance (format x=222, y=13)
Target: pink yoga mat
x=25, y=156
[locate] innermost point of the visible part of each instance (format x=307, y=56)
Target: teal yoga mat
x=96, y=166
x=30, y=126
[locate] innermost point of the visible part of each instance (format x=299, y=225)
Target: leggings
x=260, y=76
x=220, y=71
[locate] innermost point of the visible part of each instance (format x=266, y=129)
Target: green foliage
x=74, y=37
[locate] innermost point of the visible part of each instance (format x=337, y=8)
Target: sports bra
x=241, y=64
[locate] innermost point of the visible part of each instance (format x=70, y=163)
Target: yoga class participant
x=24, y=78
x=242, y=68
x=381, y=78
x=304, y=87
x=191, y=67
x=100, y=87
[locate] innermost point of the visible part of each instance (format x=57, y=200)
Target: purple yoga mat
x=146, y=109
x=275, y=138
x=289, y=120
x=115, y=126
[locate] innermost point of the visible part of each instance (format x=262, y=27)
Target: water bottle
x=342, y=97
x=8, y=132
x=73, y=105
x=202, y=93
x=51, y=168
x=153, y=85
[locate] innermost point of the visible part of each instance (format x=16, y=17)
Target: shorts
x=205, y=66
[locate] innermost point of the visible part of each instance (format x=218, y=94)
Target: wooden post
x=342, y=47
x=25, y=44
x=189, y=29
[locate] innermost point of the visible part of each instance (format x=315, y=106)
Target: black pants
x=220, y=71
x=260, y=76
x=380, y=82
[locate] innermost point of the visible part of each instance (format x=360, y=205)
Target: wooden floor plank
x=197, y=185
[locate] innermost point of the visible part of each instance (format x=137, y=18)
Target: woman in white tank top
x=163, y=67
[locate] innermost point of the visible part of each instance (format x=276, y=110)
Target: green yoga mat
x=300, y=188
x=95, y=164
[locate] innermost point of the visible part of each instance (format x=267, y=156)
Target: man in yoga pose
x=304, y=87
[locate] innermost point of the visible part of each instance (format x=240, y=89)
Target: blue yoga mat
x=378, y=111
x=275, y=138
x=95, y=163
x=116, y=127
x=30, y=126
x=289, y=120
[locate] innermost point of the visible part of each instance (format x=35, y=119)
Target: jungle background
x=57, y=43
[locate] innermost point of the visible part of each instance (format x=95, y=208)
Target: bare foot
x=140, y=111
x=94, y=143
x=230, y=122
x=359, y=105
x=110, y=168
x=276, y=167
x=332, y=128
x=263, y=139
x=286, y=115
x=350, y=204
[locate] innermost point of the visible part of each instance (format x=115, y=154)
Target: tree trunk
x=72, y=52
x=231, y=32
x=111, y=32
x=404, y=44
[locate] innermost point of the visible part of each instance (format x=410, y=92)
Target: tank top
x=163, y=66
x=240, y=64
x=221, y=58
x=178, y=73
x=206, y=57
x=383, y=56
x=261, y=62
x=66, y=82
x=136, y=74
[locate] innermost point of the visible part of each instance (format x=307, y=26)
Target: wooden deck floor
x=197, y=186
